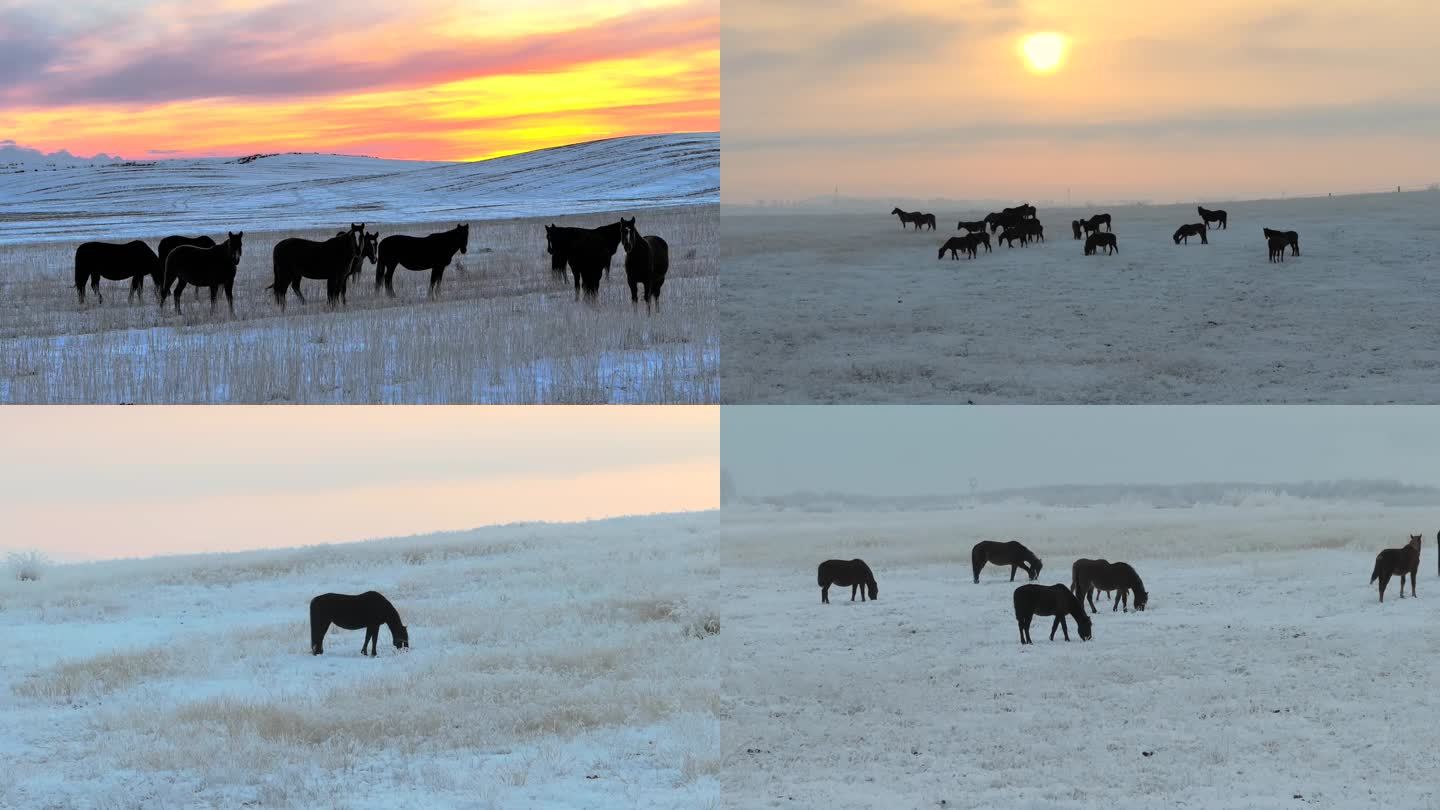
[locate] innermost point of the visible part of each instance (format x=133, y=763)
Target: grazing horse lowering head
x=1036, y=565
x=401, y=637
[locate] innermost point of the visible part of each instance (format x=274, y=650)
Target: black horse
x=854, y=573
x=1023, y=211
x=981, y=238
x=1095, y=241
x=330, y=261
x=1214, y=216
x=977, y=226
x=1010, y=553
x=647, y=259
x=1075, y=229
x=1034, y=231
x=588, y=251
x=1277, y=245
x=352, y=612
x=1184, y=232
x=212, y=267
x=169, y=243
x=133, y=260
x=1291, y=237
x=1088, y=576
x=1005, y=221
x=1049, y=600
x=1011, y=235
x=1092, y=225
x=433, y=253
x=916, y=217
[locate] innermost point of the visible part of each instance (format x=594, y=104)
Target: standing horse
x=1011, y=235
x=352, y=612
x=433, y=253
x=926, y=219
x=1095, y=241
x=169, y=243
x=854, y=573
x=588, y=251
x=647, y=258
x=907, y=217
x=1291, y=237
x=1214, y=216
x=212, y=267
x=977, y=226
x=132, y=260
x=1010, y=553
x=1092, y=225
x=1049, y=600
x=330, y=261
x=1034, y=231
x=1075, y=229
x=1402, y=561
x=1277, y=245
x=1088, y=576
x=1184, y=232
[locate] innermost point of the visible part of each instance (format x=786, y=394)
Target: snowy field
x=564, y=666
x=1263, y=675
x=504, y=329
x=846, y=307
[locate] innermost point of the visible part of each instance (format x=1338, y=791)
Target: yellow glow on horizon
x=1044, y=52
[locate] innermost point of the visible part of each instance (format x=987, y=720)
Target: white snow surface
x=848, y=308
x=156, y=199
x=552, y=665
x=1265, y=674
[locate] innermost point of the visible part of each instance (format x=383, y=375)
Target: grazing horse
x=588, y=251
x=1402, y=561
x=957, y=245
x=1050, y=600
x=1184, y=232
x=977, y=226
x=1092, y=225
x=981, y=237
x=352, y=612
x=854, y=573
x=1095, y=241
x=1214, y=216
x=1075, y=229
x=1291, y=238
x=212, y=267
x=330, y=261
x=1012, y=234
x=907, y=217
x=433, y=253
x=1088, y=576
x=1034, y=231
x=647, y=258
x=132, y=260
x=1010, y=553
x=1277, y=245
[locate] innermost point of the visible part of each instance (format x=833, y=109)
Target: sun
x=1044, y=52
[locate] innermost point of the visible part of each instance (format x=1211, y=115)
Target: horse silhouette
x=1034, y=230
x=1209, y=216
x=132, y=260
x=647, y=259
x=854, y=573
x=1050, y=600
x=1075, y=229
x=1010, y=553
x=1291, y=238
x=1088, y=576
x=1023, y=211
x=916, y=217
x=169, y=243
x=967, y=244
x=1277, y=245
x=330, y=261
x=1092, y=225
x=588, y=251
x=212, y=267
x=1011, y=235
x=1095, y=241
x=419, y=253
x=1402, y=561
x=977, y=226
x=352, y=612
x=981, y=237
x=1004, y=221
x=1184, y=232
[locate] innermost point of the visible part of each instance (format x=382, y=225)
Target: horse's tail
x=80, y=275
x=977, y=560
x=1375, y=574
x=820, y=575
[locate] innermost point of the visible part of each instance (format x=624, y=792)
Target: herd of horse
x=202, y=262
x=1021, y=224
x=1087, y=578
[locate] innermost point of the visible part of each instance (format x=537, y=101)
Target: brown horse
x=1010, y=553
x=1403, y=560
x=1088, y=576
x=1049, y=600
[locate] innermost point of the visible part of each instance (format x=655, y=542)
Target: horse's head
x=1415, y=540
x=401, y=637
x=628, y=234
x=370, y=247
x=1035, y=566
x=874, y=588
x=895, y=210
x=1142, y=598
x=1082, y=623
x=463, y=230
x=237, y=247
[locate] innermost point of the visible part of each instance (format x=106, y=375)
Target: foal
x=1403, y=560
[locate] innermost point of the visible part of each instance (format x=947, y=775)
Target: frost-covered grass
x=1265, y=674
x=848, y=308
x=503, y=330
x=551, y=665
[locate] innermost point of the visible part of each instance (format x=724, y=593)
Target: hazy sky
x=1165, y=101
x=119, y=482
x=931, y=450
x=424, y=79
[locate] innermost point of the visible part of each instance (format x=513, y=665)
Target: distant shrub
x=27, y=566
x=702, y=627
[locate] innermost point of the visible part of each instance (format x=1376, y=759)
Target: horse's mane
x=869, y=575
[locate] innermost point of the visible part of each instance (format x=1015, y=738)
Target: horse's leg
x=317, y=635
x=295, y=286
x=1090, y=594
x=230, y=295
x=1055, y=626
x=854, y=587
x=1384, y=580
x=214, y=296
x=1402, y=584
x=95, y=285
x=1012, y=572
x=179, y=288
x=825, y=594
x=1064, y=628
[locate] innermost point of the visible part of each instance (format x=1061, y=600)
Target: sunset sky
x=1150, y=100
x=421, y=79
x=89, y=483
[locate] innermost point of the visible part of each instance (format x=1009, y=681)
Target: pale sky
x=102, y=482
x=936, y=450
x=1159, y=101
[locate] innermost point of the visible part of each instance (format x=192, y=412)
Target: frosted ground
x=503, y=330
x=551, y=666
x=1264, y=675
x=845, y=307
